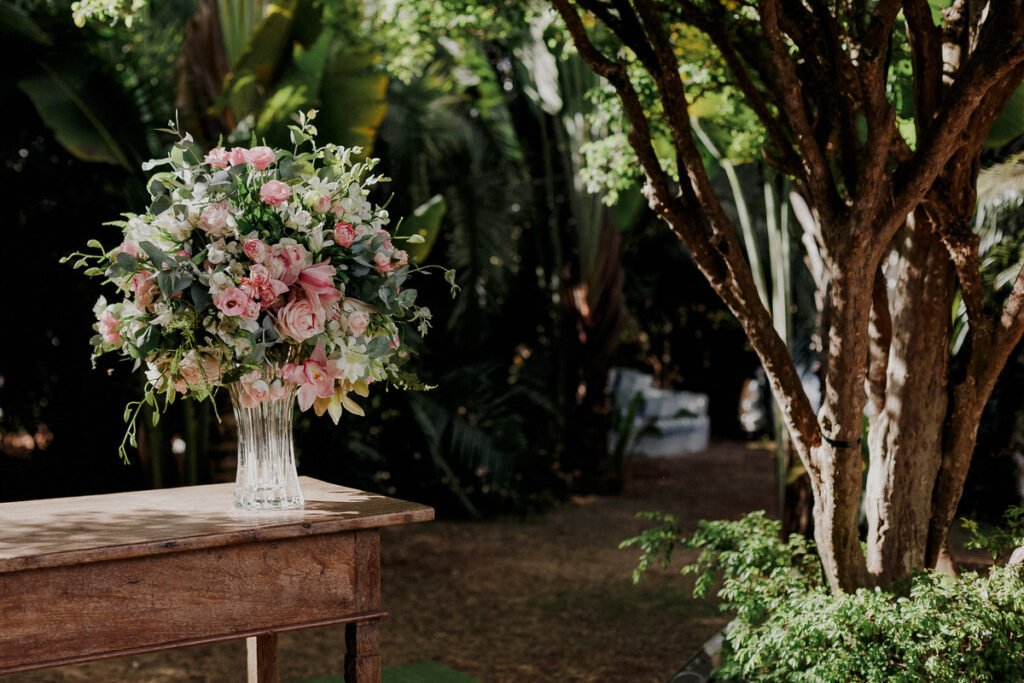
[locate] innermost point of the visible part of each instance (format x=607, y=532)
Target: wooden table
x=104, y=576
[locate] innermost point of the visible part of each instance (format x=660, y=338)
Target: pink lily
x=315, y=377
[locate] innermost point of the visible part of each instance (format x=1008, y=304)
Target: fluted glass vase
x=266, y=477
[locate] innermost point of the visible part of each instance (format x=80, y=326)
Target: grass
x=426, y=672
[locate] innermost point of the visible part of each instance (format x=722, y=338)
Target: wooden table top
x=63, y=531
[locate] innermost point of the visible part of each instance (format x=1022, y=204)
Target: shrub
x=788, y=626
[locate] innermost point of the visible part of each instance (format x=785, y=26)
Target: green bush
x=788, y=626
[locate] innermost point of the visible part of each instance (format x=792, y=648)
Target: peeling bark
x=905, y=437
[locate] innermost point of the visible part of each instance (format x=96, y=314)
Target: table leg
x=362, y=652
x=262, y=656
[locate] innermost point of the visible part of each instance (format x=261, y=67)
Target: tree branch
x=817, y=171
x=962, y=114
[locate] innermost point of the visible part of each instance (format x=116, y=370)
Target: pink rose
x=130, y=247
x=199, y=370
x=386, y=245
x=338, y=210
x=256, y=250
x=358, y=321
x=275, y=192
x=110, y=329
x=287, y=261
x=260, y=158
x=216, y=219
x=324, y=205
x=401, y=257
x=217, y=157
x=232, y=302
x=318, y=283
x=237, y=156
x=300, y=319
x=344, y=234
x=382, y=261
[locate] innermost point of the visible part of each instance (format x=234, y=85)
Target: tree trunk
x=905, y=438
x=838, y=458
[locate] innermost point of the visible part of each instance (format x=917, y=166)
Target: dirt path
x=547, y=599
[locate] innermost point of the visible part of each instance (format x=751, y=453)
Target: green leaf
x=157, y=256
x=424, y=223
x=260, y=59
x=17, y=26
x=76, y=102
x=1010, y=124
x=353, y=96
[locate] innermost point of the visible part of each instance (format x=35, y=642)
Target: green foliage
x=789, y=627
x=1000, y=541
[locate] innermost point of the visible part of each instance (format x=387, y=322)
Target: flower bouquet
x=268, y=272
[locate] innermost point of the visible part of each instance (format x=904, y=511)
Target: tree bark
x=905, y=437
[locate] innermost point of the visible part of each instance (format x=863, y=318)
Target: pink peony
x=110, y=329
x=275, y=192
x=344, y=234
x=300, y=319
x=232, y=302
x=256, y=250
x=217, y=157
x=358, y=321
x=382, y=261
x=260, y=158
x=318, y=283
x=216, y=219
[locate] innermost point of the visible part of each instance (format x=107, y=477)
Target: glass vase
x=266, y=478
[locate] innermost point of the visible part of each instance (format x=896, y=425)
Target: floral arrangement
x=265, y=267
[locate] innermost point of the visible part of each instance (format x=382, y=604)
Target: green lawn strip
x=426, y=672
